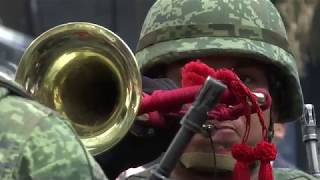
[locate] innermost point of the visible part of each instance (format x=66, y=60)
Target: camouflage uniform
x=279, y=174
x=176, y=30
x=35, y=143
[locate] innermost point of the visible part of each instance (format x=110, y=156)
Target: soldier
x=36, y=143
x=247, y=36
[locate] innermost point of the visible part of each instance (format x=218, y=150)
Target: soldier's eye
x=246, y=79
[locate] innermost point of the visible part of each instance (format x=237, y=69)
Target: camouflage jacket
x=36, y=144
x=278, y=173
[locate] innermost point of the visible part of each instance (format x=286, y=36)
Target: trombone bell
x=90, y=76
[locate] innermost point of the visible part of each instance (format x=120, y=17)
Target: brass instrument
x=89, y=75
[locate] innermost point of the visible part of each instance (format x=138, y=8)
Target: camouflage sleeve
x=55, y=152
x=291, y=174
x=36, y=144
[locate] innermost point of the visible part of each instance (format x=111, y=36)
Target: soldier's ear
x=279, y=130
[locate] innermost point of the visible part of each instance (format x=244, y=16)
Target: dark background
x=125, y=18
x=33, y=17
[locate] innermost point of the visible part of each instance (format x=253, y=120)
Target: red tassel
x=244, y=154
x=195, y=73
x=265, y=152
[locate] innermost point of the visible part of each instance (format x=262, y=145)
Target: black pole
x=191, y=123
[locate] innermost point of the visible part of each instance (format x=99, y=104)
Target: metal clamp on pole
x=191, y=123
x=309, y=133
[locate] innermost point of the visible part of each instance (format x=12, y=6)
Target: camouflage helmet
x=178, y=29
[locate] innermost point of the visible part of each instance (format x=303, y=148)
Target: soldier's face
x=230, y=132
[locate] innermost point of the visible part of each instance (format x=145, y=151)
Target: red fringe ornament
x=265, y=152
x=244, y=154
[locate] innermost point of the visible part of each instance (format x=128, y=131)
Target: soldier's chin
x=206, y=163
